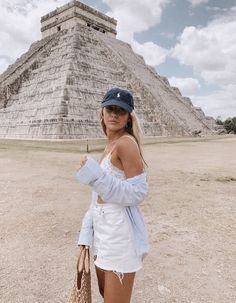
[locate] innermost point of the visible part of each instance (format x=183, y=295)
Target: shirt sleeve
x=128, y=192
x=86, y=230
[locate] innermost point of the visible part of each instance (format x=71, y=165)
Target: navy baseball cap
x=119, y=97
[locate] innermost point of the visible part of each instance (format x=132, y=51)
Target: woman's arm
x=129, y=192
x=128, y=154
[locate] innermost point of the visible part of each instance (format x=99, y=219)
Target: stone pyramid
x=54, y=89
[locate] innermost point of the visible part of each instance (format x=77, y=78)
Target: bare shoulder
x=129, y=155
x=128, y=145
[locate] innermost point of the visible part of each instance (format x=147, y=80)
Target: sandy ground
x=190, y=215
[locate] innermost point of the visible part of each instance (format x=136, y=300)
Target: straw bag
x=81, y=292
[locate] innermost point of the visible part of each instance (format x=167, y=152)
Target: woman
x=113, y=225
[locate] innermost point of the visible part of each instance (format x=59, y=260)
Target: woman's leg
x=101, y=280
x=114, y=291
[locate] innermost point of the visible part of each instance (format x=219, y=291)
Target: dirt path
x=190, y=214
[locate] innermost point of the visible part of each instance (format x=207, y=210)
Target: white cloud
x=197, y=2
x=187, y=86
x=20, y=25
x=216, y=9
x=168, y=35
x=220, y=103
x=4, y=62
x=138, y=16
x=211, y=52
x=153, y=54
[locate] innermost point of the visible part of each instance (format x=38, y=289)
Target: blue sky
x=192, y=42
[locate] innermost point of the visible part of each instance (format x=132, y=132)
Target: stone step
x=65, y=78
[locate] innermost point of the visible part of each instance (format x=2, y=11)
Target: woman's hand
x=81, y=247
x=83, y=161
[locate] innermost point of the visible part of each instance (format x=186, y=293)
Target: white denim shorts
x=113, y=244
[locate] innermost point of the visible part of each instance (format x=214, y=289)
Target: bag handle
x=83, y=264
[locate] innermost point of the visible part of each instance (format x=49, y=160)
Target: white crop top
x=110, y=168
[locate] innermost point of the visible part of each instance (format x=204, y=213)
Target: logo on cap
x=119, y=97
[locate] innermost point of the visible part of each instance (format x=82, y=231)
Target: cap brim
x=118, y=103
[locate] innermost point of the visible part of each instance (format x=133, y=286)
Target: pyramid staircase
x=55, y=89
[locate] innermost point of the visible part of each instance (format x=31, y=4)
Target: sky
x=191, y=42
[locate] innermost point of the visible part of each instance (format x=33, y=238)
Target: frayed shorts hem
x=120, y=275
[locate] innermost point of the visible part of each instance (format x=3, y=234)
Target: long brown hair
x=132, y=127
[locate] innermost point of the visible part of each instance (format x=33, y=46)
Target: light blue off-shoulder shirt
x=129, y=193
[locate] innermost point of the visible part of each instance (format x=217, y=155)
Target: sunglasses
x=115, y=109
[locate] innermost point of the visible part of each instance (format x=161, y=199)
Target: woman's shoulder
x=128, y=152
x=127, y=140
x=127, y=144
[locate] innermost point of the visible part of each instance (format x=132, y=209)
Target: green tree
x=230, y=125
